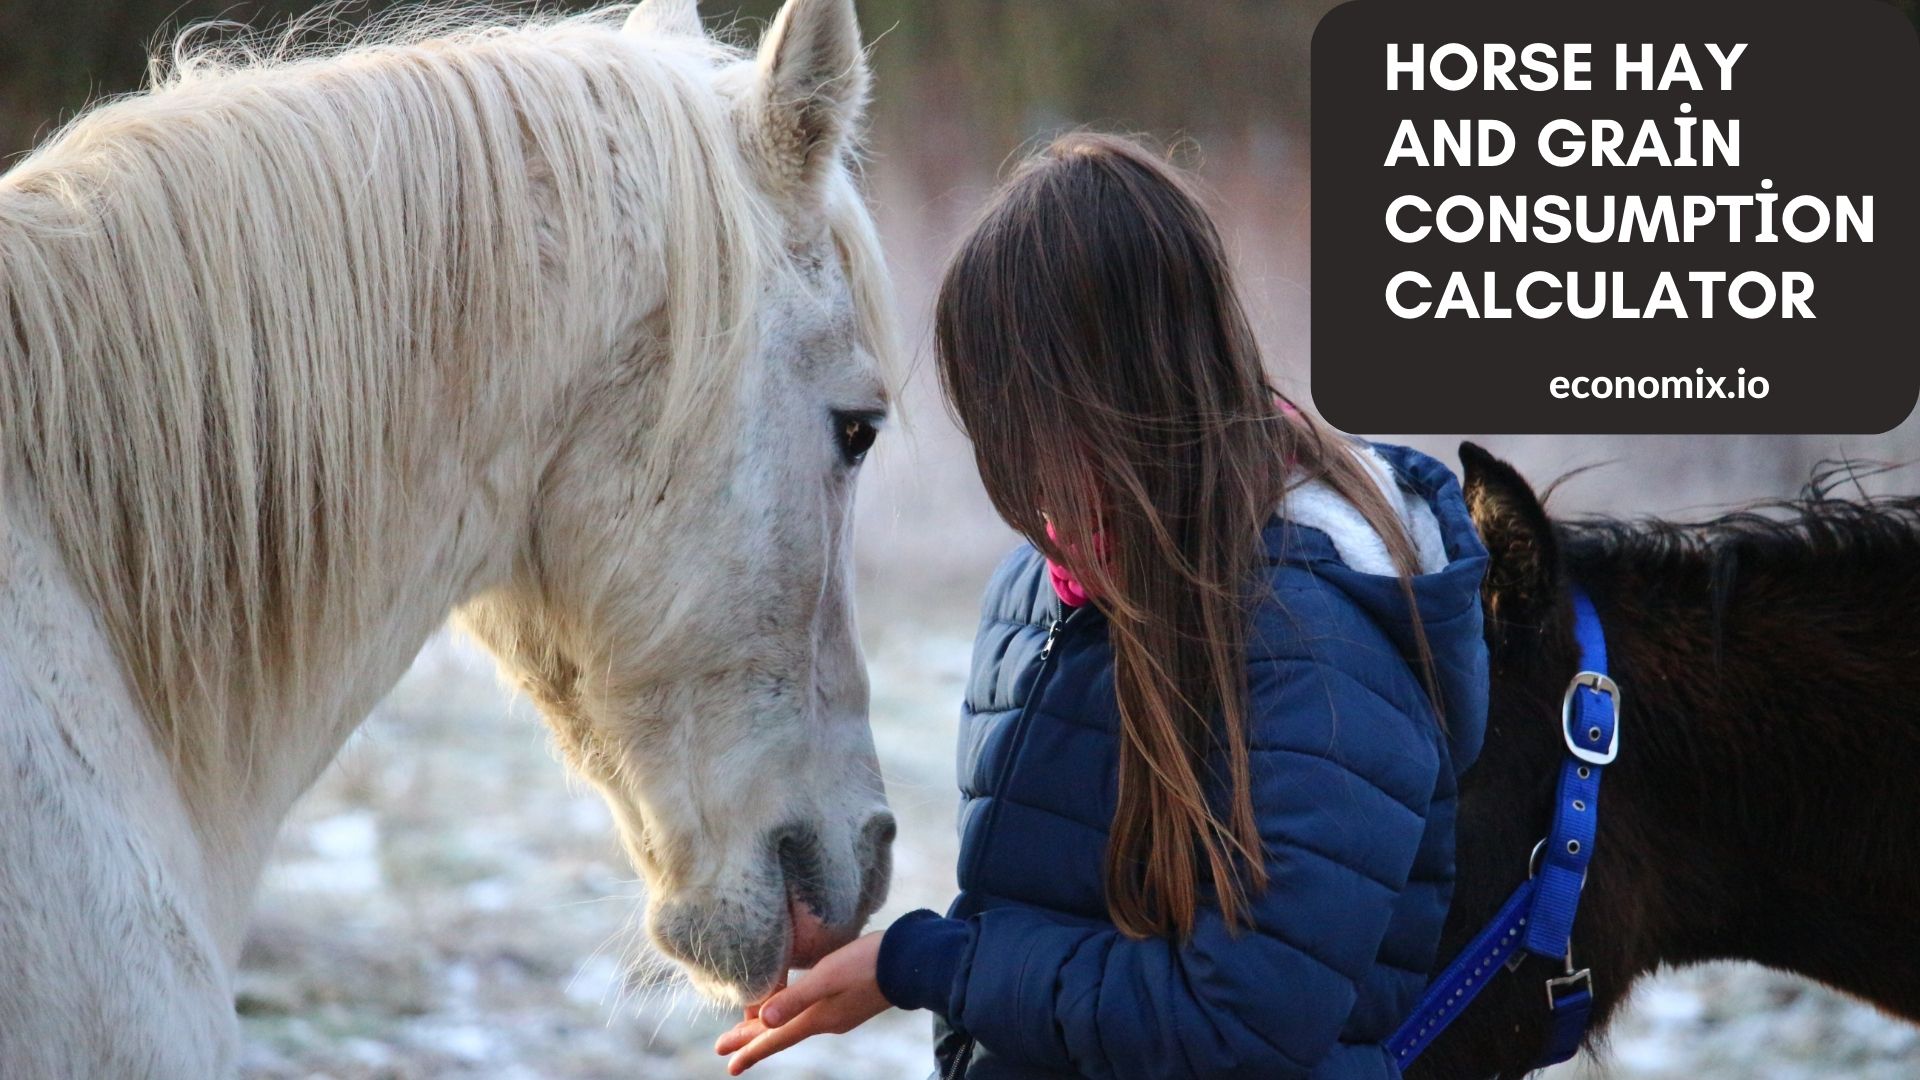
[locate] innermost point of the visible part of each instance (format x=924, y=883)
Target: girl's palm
x=838, y=995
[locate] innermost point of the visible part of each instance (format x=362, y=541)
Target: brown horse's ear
x=1523, y=570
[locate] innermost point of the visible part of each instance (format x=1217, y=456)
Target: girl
x=1219, y=702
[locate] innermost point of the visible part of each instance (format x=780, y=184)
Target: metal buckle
x=1582, y=978
x=1533, y=867
x=1599, y=683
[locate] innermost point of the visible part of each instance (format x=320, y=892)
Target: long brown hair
x=1093, y=346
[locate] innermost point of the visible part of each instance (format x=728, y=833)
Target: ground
x=447, y=904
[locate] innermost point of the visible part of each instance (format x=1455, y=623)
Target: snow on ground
x=447, y=904
x=1741, y=1022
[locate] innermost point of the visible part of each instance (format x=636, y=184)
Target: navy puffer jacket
x=1353, y=787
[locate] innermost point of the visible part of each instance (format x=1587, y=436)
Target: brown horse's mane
x=1803, y=545
x=1832, y=515
x=1831, y=528
x=1785, y=532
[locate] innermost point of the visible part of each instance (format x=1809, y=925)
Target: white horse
x=573, y=329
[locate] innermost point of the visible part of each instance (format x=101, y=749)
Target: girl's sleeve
x=1343, y=778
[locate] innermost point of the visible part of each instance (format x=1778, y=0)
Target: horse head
x=1506, y=798
x=682, y=613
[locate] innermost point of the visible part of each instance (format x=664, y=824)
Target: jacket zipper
x=1054, y=630
x=1053, y=635
x=965, y=1057
x=960, y=1061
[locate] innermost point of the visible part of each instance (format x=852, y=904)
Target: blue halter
x=1538, y=918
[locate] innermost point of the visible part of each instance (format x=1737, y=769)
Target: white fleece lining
x=1318, y=506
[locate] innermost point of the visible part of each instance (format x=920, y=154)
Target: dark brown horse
x=1764, y=805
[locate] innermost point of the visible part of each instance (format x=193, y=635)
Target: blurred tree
x=57, y=55
x=1011, y=67
x=1017, y=67
x=996, y=70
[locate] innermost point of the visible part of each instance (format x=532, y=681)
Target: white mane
x=235, y=302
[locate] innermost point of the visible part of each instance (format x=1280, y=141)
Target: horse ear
x=811, y=91
x=1523, y=568
x=666, y=17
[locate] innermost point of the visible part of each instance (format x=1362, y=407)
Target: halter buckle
x=1577, y=745
x=1564, y=985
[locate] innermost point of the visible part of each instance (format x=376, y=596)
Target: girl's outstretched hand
x=838, y=995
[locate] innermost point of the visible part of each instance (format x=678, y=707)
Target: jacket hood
x=1446, y=601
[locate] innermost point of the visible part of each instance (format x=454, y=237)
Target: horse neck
x=1770, y=745
x=274, y=476
x=437, y=513
x=458, y=537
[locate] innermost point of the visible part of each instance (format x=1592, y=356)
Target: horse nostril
x=876, y=861
x=801, y=861
x=880, y=830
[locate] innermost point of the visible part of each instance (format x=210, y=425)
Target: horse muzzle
x=820, y=921
x=739, y=941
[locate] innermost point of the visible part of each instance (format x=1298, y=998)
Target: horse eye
x=855, y=433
